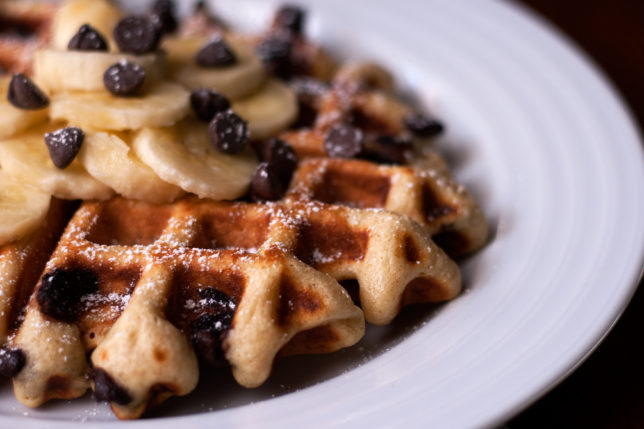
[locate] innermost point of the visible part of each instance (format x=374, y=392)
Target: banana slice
x=12, y=119
x=100, y=14
x=237, y=81
x=182, y=155
x=269, y=111
x=22, y=209
x=26, y=158
x=109, y=158
x=162, y=106
x=59, y=71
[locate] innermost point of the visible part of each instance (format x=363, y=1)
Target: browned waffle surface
x=444, y=208
x=22, y=262
x=24, y=27
x=150, y=298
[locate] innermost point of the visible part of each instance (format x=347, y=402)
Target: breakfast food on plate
x=244, y=198
x=136, y=282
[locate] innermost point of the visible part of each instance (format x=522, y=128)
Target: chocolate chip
x=11, y=361
x=219, y=301
x=87, y=39
x=200, y=7
x=387, y=149
x=308, y=91
x=344, y=141
x=266, y=184
x=228, y=132
x=24, y=94
x=106, y=389
x=61, y=290
x=290, y=18
x=308, y=88
x=281, y=156
x=206, y=103
x=163, y=16
x=306, y=116
x=124, y=78
x=216, y=53
x=63, y=145
x=423, y=126
x=275, y=53
x=137, y=34
x=206, y=334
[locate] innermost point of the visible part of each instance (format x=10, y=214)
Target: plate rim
x=573, y=49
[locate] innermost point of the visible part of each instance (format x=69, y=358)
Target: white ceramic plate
x=550, y=152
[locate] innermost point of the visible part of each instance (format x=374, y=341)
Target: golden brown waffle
x=421, y=187
x=445, y=209
x=136, y=296
x=150, y=273
x=22, y=262
x=24, y=27
x=151, y=265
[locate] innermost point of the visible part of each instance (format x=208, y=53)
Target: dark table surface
x=608, y=389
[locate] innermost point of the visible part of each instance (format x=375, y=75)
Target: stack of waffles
x=248, y=200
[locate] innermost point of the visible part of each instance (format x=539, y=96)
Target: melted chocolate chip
x=308, y=91
x=87, y=39
x=281, y=156
x=207, y=331
x=206, y=341
x=266, y=184
x=24, y=94
x=11, y=361
x=106, y=389
x=290, y=18
x=216, y=53
x=123, y=78
x=344, y=141
x=228, y=132
x=63, y=145
x=61, y=290
x=162, y=15
x=218, y=300
x=275, y=53
x=387, y=149
x=137, y=34
x=423, y=126
x=206, y=103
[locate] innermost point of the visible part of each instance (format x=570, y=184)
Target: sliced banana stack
x=162, y=106
x=183, y=155
x=12, y=119
x=22, y=208
x=236, y=81
x=65, y=70
x=110, y=159
x=100, y=14
x=269, y=111
x=25, y=158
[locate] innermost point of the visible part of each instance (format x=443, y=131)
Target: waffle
x=137, y=297
x=24, y=27
x=21, y=263
x=446, y=210
x=153, y=269
x=421, y=187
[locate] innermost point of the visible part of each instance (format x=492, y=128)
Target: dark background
x=608, y=389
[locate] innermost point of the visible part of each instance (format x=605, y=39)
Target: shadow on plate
x=218, y=390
